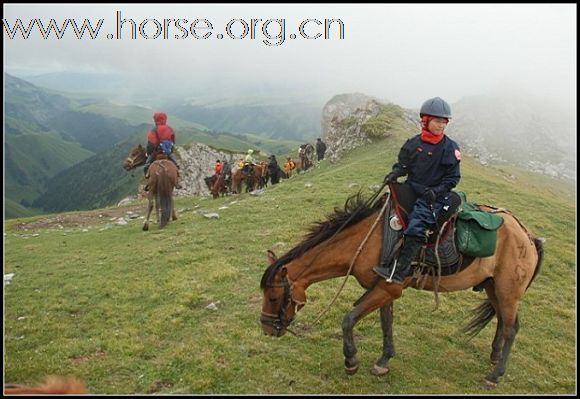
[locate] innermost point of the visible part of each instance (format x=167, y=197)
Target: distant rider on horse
x=160, y=140
x=249, y=162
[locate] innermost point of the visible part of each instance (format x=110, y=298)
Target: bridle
x=131, y=160
x=277, y=321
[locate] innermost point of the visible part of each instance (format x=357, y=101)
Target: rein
x=277, y=321
x=352, y=216
x=357, y=253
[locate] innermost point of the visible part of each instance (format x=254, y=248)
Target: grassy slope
x=126, y=310
x=37, y=157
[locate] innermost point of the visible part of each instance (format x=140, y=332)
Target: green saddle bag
x=476, y=231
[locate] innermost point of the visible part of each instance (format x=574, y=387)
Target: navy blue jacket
x=429, y=165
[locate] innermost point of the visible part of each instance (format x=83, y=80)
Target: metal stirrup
x=390, y=278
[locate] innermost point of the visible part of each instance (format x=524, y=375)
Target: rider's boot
x=402, y=267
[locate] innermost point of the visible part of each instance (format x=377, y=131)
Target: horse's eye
x=273, y=300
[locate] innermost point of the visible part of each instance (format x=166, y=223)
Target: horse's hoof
x=351, y=370
x=489, y=384
x=379, y=371
x=145, y=227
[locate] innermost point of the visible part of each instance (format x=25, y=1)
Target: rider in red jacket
x=158, y=134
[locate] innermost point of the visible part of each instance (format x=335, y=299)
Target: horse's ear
x=140, y=146
x=272, y=256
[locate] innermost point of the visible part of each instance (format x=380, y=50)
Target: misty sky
x=402, y=53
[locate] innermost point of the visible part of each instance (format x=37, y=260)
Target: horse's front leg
x=381, y=367
x=378, y=296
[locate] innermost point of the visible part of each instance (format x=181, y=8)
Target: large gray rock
x=196, y=161
x=342, y=119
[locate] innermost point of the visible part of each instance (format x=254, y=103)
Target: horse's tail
x=164, y=198
x=539, y=243
x=482, y=316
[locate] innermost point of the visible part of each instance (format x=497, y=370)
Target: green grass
x=125, y=310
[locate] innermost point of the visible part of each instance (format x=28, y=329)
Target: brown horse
x=216, y=185
x=260, y=175
x=255, y=180
x=162, y=180
x=335, y=248
x=306, y=155
x=237, y=179
x=53, y=386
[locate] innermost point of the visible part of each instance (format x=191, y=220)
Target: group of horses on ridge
x=256, y=178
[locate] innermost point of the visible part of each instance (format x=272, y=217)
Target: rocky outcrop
x=196, y=161
x=352, y=120
x=342, y=119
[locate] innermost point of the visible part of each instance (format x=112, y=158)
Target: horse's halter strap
x=277, y=321
x=131, y=160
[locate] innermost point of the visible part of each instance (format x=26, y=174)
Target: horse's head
x=136, y=158
x=209, y=181
x=282, y=299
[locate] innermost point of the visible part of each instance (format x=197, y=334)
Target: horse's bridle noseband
x=277, y=321
x=131, y=161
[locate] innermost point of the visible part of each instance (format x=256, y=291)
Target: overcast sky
x=402, y=53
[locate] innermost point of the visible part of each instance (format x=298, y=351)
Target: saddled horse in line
x=306, y=156
x=254, y=180
x=237, y=179
x=260, y=175
x=216, y=185
x=162, y=180
x=334, y=248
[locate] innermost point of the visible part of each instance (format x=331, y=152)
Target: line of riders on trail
x=161, y=144
x=256, y=174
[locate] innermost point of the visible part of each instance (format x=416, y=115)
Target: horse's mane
x=355, y=207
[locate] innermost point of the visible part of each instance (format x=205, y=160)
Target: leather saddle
x=441, y=237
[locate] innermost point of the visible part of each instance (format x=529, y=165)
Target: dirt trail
x=81, y=218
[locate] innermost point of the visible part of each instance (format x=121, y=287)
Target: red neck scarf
x=426, y=135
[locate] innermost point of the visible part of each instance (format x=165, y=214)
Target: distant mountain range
x=64, y=152
x=215, y=108
x=516, y=130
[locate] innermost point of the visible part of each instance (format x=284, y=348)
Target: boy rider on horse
x=431, y=161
